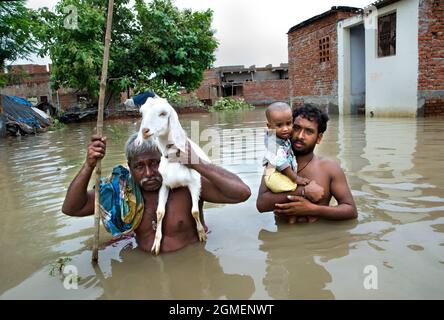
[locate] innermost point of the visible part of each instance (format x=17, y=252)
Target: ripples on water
x=393, y=166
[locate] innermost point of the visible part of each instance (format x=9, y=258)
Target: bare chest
x=317, y=172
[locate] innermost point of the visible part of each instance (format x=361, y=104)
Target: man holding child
x=314, y=178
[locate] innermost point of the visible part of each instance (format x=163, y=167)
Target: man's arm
x=267, y=200
x=220, y=185
x=346, y=208
x=78, y=201
x=217, y=184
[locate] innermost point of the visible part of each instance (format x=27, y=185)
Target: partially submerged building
x=257, y=85
x=384, y=60
x=391, y=59
x=30, y=81
x=312, y=59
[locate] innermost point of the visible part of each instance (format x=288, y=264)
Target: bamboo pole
x=109, y=20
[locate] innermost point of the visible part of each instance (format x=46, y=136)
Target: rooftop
x=333, y=10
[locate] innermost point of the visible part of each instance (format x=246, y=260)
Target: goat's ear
x=176, y=134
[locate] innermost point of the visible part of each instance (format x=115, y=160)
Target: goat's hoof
x=202, y=236
x=155, y=249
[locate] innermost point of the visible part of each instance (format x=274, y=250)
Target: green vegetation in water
x=56, y=125
x=57, y=266
x=225, y=103
x=189, y=101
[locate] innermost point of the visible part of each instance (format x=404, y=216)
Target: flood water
x=394, y=168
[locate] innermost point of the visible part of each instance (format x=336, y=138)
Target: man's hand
x=313, y=191
x=188, y=158
x=96, y=150
x=299, y=207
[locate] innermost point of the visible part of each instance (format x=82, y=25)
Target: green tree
x=16, y=37
x=154, y=38
x=177, y=45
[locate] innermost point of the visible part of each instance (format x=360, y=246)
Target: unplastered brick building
x=29, y=81
x=257, y=85
x=312, y=59
x=386, y=59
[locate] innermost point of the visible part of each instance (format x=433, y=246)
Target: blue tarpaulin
x=20, y=116
x=20, y=100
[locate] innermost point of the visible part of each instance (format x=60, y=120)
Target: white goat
x=161, y=122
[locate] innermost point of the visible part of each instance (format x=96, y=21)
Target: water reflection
x=193, y=273
x=294, y=253
x=393, y=166
x=124, y=272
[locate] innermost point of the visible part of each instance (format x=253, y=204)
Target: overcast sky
x=249, y=31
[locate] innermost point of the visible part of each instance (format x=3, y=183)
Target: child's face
x=282, y=122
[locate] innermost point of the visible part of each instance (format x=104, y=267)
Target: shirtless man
x=179, y=227
x=309, y=125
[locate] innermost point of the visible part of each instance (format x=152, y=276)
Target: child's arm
x=294, y=177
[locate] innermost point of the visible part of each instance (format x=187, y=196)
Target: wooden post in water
x=103, y=80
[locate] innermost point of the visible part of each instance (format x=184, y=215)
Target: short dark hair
x=312, y=113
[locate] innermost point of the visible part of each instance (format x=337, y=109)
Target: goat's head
x=159, y=119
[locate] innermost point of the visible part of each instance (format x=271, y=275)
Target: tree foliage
x=154, y=38
x=16, y=37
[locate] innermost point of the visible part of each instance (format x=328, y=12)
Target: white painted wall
x=392, y=82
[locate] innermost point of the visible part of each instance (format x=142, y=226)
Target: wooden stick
x=95, y=253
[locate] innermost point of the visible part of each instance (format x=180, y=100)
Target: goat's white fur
x=162, y=123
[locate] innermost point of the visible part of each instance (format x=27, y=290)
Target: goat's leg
x=160, y=212
x=195, y=195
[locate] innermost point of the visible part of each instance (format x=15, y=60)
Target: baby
x=281, y=166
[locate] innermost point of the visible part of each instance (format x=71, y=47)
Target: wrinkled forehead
x=146, y=156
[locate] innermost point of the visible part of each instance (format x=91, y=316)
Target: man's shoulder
x=329, y=164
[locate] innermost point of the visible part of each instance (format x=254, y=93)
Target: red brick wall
x=431, y=57
x=310, y=80
x=27, y=90
x=206, y=91
x=29, y=68
x=66, y=100
x=266, y=91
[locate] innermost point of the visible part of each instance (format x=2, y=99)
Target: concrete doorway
x=357, y=70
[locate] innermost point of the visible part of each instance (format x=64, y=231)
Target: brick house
x=391, y=59
x=29, y=81
x=32, y=82
x=257, y=85
x=384, y=60
x=312, y=59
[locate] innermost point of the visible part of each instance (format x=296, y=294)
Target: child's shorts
x=278, y=182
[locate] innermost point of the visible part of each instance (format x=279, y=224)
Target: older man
x=309, y=125
x=137, y=191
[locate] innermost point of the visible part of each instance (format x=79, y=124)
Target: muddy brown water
x=394, y=168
